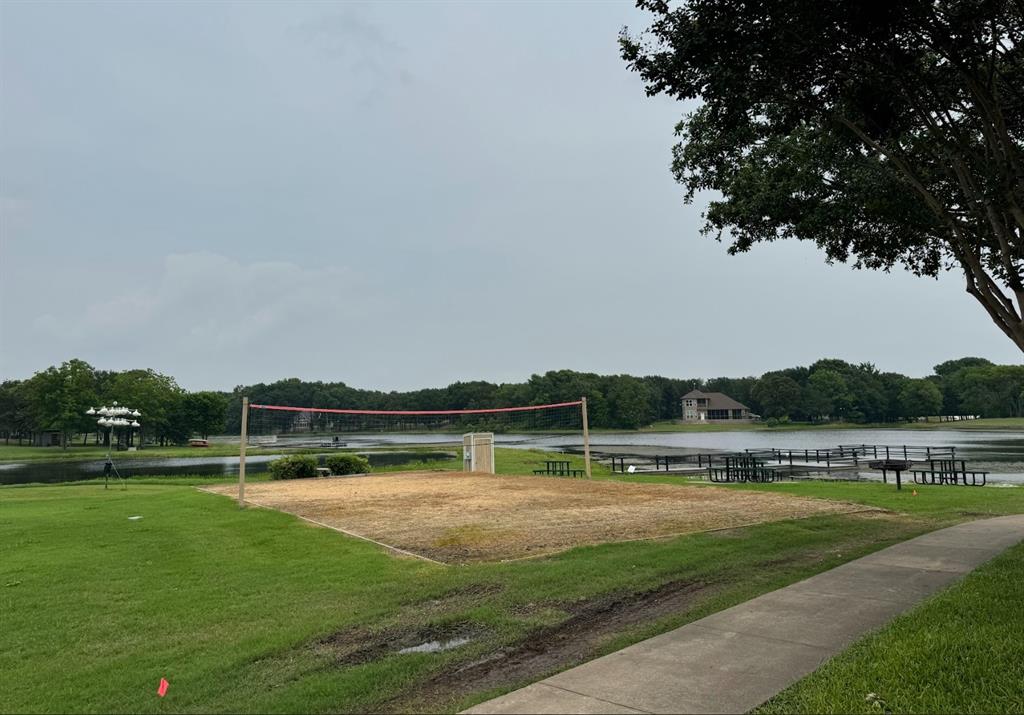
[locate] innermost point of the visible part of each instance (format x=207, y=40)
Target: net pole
x=241, y=452
x=586, y=437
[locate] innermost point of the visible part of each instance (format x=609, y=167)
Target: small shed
x=478, y=452
x=47, y=438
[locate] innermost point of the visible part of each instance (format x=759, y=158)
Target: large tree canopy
x=886, y=133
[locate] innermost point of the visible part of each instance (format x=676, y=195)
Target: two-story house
x=713, y=407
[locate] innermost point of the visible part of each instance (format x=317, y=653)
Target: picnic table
x=950, y=471
x=560, y=468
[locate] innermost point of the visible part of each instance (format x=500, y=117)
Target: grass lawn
x=962, y=651
x=256, y=611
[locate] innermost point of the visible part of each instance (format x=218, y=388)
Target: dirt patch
x=354, y=646
x=574, y=640
x=465, y=517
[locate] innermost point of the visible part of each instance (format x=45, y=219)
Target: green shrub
x=296, y=466
x=347, y=464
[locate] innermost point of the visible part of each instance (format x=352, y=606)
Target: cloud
x=15, y=213
x=363, y=46
x=210, y=302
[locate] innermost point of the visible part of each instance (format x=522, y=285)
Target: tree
x=15, y=411
x=59, y=396
x=945, y=369
x=778, y=395
x=828, y=394
x=920, y=398
x=886, y=134
x=205, y=413
x=996, y=391
x=633, y=402
x=157, y=397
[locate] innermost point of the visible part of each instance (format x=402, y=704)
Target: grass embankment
x=962, y=651
x=256, y=611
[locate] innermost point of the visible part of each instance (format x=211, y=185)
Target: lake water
x=1001, y=452
x=72, y=471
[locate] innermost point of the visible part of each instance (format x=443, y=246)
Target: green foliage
x=15, y=410
x=204, y=413
x=946, y=369
x=920, y=398
x=295, y=466
x=829, y=389
x=778, y=395
x=158, y=398
x=59, y=396
x=347, y=464
x=889, y=136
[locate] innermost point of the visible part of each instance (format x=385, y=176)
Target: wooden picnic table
x=559, y=467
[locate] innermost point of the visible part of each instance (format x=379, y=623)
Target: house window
x=718, y=414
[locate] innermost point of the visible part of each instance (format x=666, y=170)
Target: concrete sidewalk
x=736, y=659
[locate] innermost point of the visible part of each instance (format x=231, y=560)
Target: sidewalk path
x=736, y=659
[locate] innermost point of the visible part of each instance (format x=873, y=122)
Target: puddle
x=435, y=646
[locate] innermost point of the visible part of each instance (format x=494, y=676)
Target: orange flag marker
x=162, y=690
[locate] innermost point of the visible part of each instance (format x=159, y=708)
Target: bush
x=347, y=464
x=296, y=466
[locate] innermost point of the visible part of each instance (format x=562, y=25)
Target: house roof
x=716, y=400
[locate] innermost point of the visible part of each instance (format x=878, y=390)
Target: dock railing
x=906, y=452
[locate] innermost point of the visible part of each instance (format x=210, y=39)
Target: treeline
x=829, y=390
x=56, y=400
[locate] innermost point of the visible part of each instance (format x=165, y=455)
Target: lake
x=72, y=471
x=1001, y=452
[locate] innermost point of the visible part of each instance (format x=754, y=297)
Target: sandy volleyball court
x=460, y=517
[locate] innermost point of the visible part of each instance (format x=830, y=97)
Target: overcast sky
x=395, y=196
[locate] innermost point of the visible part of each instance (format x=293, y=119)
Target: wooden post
x=241, y=451
x=586, y=438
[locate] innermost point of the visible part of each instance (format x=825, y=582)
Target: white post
x=586, y=439
x=241, y=451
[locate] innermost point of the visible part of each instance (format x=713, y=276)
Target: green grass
x=939, y=505
x=962, y=651
x=993, y=423
x=229, y=605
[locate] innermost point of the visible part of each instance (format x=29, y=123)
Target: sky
x=393, y=195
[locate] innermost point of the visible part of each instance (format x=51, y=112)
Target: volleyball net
x=290, y=427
